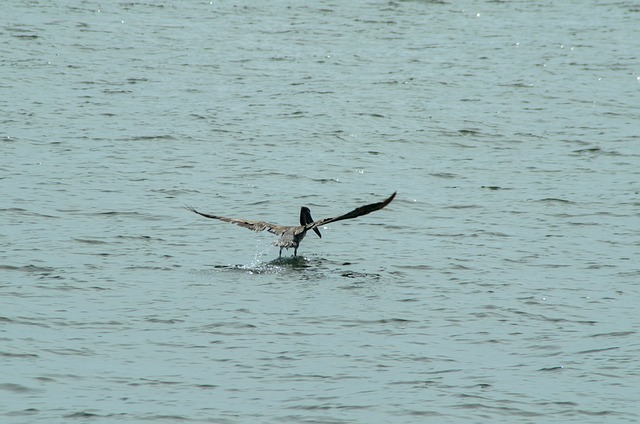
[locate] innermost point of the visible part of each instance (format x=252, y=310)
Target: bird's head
x=305, y=218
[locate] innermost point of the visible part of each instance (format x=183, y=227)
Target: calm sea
x=501, y=285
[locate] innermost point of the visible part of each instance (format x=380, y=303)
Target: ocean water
x=501, y=285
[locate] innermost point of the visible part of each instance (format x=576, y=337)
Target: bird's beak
x=309, y=221
x=306, y=218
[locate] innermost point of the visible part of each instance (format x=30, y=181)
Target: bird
x=291, y=235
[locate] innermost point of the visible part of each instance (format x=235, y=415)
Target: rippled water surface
x=501, y=285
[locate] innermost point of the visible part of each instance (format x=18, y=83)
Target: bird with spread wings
x=291, y=235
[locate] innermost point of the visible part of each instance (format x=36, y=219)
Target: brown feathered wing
x=362, y=210
x=252, y=225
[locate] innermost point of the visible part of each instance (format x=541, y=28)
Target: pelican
x=291, y=235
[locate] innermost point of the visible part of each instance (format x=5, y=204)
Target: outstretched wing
x=252, y=225
x=362, y=210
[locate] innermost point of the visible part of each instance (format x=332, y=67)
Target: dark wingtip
x=386, y=202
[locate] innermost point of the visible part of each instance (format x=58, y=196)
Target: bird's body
x=291, y=239
x=292, y=236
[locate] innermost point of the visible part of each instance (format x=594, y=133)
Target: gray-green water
x=501, y=285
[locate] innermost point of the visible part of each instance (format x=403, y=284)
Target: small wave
x=17, y=388
x=615, y=334
x=90, y=241
x=18, y=355
x=555, y=200
x=82, y=414
x=33, y=269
